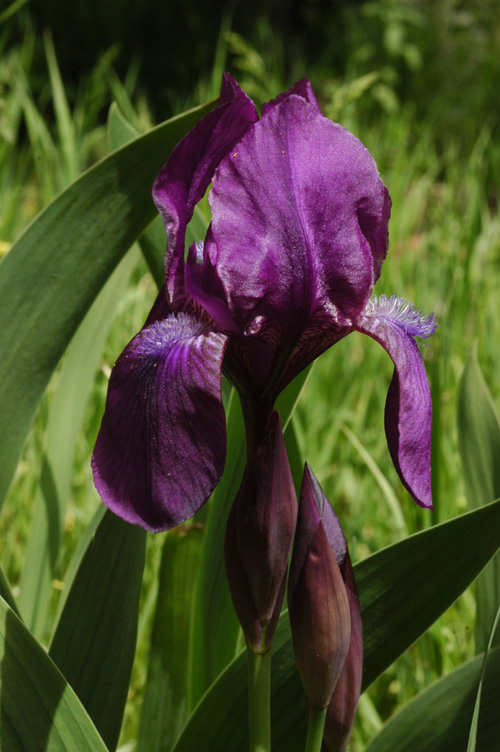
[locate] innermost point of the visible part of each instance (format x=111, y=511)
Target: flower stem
x=259, y=701
x=315, y=729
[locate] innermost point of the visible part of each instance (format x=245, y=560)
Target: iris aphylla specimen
x=298, y=237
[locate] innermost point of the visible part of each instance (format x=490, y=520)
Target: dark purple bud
x=259, y=537
x=317, y=598
x=343, y=705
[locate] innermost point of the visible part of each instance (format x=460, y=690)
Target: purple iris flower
x=296, y=243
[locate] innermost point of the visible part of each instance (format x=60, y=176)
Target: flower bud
x=259, y=537
x=317, y=598
x=343, y=705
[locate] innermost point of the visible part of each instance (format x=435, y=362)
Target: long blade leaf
x=94, y=643
x=479, y=442
x=38, y=709
x=438, y=719
x=64, y=424
x=164, y=708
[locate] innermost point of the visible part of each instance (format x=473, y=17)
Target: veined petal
x=162, y=444
x=200, y=293
x=186, y=176
x=299, y=224
x=408, y=409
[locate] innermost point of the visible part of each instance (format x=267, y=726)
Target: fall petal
x=162, y=443
x=408, y=409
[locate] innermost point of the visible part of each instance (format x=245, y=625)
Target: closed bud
x=259, y=537
x=343, y=705
x=317, y=597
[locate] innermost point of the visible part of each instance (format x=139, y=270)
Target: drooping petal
x=162, y=443
x=186, y=176
x=408, y=409
x=300, y=226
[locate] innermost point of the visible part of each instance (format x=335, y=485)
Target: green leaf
x=38, y=709
x=64, y=122
x=403, y=589
x=227, y=701
x=479, y=436
x=6, y=592
x=83, y=545
x=215, y=629
x=471, y=746
x=65, y=420
x=479, y=442
x=438, y=719
x=164, y=707
x=94, y=643
x=120, y=131
x=52, y=274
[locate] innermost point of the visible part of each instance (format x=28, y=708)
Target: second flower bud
x=259, y=537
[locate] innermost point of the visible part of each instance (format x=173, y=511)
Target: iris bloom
x=296, y=243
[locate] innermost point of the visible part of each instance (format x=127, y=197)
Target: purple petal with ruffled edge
x=408, y=410
x=184, y=179
x=299, y=225
x=162, y=444
x=303, y=88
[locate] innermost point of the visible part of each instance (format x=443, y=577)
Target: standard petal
x=300, y=226
x=186, y=176
x=303, y=88
x=162, y=443
x=408, y=409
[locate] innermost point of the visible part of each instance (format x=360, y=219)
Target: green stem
x=259, y=701
x=315, y=730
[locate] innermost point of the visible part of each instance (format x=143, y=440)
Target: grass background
x=415, y=82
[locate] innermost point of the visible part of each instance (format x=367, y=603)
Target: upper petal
x=162, y=443
x=303, y=88
x=183, y=180
x=299, y=224
x=408, y=409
